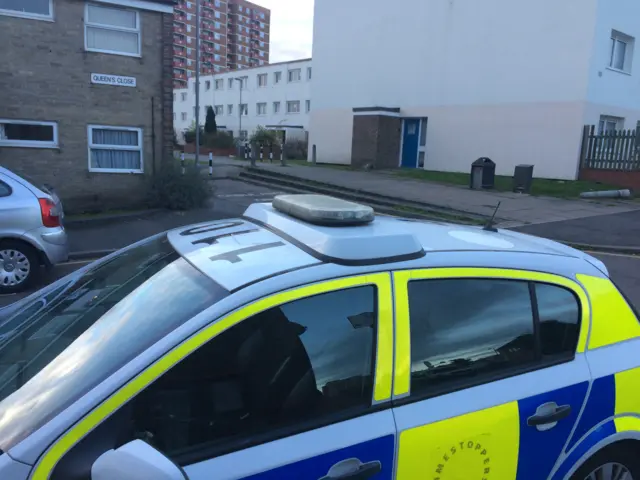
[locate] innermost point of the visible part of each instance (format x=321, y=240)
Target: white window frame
x=604, y=119
x=289, y=72
x=139, y=148
x=244, y=109
x=290, y=112
x=265, y=77
x=276, y=107
x=31, y=143
x=137, y=30
x=629, y=42
x=183, y=116
x=264, y=107
x=277, y=78
x=183, y=96
x=218, y=110
x=216, y=84
x=34, y=16
x=307, y=106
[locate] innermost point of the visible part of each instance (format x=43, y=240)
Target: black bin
x=523, y=178
x=483, y=174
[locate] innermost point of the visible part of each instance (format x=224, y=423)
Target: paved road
x=231, y=199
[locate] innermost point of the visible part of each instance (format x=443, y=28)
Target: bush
x=264, y=137
x=170, y=189
x=190, y=134
x=222, y=140
x=296, y=150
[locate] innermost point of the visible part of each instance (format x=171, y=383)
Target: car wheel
x=613, y=463
x=19, y=266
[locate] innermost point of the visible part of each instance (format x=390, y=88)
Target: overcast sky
x=291, y=28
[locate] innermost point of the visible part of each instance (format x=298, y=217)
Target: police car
x=310, y=339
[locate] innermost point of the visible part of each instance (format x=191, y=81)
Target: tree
x=210, y=125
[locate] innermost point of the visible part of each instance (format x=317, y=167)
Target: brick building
x=234, y=35
x=86, y=98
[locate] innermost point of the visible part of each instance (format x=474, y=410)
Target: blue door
x=410, y=140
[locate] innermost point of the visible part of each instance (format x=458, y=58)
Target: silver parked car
x=31, y=231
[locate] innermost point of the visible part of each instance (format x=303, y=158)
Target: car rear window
x=56, y=346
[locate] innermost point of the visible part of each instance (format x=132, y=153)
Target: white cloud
x=291, y=28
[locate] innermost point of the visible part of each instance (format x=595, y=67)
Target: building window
x=219, y=110
x=261, y=14
x=28, y=133
x=39, y=9
x=621, y=51
x=309, y=72
x=276, y=107
x=183, y=116
x=174, y=116
x=216, y=35
x=115, y=149
x=217, y=24
x=207, y=85
x=229, y=109
x=216, y=57
x=112, y=30
x=261, y=53
x=217, y=46
x=217, y=14
x=183, y=96
x=230, y=83
x=610, y=124
x=219, y=84
x=188, y=17
x=261, y=34
x=244, y=109
x=293, y=106
x=261, y=108
x=277, y=77
x=294, y=75
x=308, y=106
x=262, y=80
x=188, y=28
x=174, y=97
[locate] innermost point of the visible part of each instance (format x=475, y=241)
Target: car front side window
x=290, y=368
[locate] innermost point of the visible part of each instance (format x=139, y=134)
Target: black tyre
x=19, y=266
x=617, y=462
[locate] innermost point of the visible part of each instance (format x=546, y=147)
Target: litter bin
x=483, y=174
x=523, y=178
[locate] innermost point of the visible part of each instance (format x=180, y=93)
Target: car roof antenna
x=489, y=227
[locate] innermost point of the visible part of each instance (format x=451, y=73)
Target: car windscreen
x=56, y=346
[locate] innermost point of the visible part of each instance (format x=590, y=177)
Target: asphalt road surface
x=231, y=199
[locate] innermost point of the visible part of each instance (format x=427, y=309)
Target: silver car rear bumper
x=52, y=242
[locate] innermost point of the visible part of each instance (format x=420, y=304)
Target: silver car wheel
x=14, y=268
x=610, y=471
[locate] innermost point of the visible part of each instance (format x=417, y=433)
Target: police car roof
x=389, y=238
x=268, y=242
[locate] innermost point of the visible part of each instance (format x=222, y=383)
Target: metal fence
x=614, y=150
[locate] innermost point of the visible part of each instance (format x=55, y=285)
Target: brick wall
x=45, y=76
x=616, y=178
x=375, y=141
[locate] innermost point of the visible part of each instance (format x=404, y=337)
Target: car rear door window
x=464, y=329
x=468, y=331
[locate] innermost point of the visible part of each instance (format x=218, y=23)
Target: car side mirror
x=136, y=460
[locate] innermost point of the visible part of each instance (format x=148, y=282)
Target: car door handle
x=554, y=415
x=353, y=469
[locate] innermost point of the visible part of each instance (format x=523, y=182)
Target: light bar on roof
x=323, y=210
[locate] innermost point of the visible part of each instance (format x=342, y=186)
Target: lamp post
x=241, y=81
x=197, y=81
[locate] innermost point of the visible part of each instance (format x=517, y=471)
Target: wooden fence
x=617, y=150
